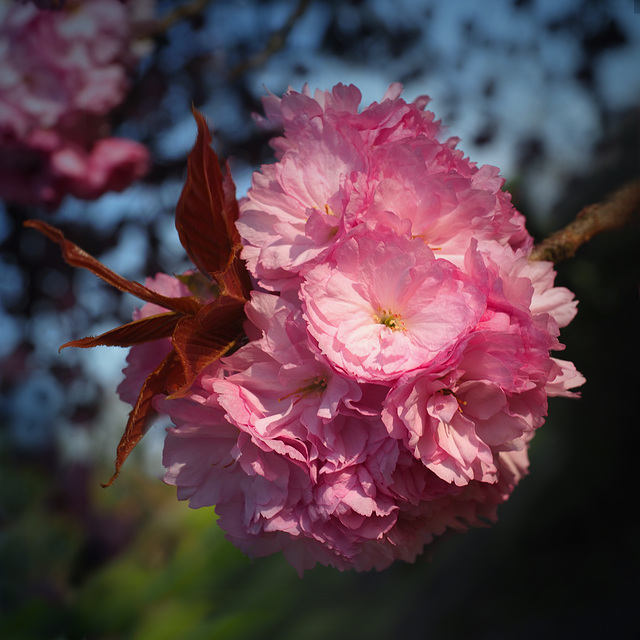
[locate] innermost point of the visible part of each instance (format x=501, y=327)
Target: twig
x=613, y=213
x=276, y=42
x=181, y=12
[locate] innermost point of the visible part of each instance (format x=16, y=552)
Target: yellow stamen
x=315, y=386
x=424, y=239
x=389, y=319
x=461, y=403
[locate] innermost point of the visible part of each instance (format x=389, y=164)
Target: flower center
x=314, y=386
x=389, y=319
x=449, y=392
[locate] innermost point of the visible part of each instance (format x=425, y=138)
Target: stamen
x=424, y=239
x=449, y=392
x=389, y=319
x=315, y=386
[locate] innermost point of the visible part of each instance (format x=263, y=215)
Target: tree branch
x=613, y=213
x=182, y=12
x=276, y=42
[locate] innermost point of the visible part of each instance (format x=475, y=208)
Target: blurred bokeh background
x=549, y=91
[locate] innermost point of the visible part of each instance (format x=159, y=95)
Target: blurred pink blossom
x=62, y=73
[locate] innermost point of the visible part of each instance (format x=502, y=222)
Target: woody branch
x=613, y=213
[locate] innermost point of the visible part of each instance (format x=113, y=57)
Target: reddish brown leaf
x=231, y=210
x=201, y=332
x=77, y=257
x=136, y=332
x=198, y=341
x=142, y=413
x=207, y=209
x=204, y=338
x=234, y=280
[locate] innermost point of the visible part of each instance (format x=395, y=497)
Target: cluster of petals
x=63, y=72
x=399, y=338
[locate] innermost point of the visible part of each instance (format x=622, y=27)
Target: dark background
x=548, y=91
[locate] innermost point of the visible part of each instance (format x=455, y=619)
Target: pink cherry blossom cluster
x=62, y=73
x=398, y=361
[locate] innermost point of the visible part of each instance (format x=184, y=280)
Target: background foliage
x=548, y=91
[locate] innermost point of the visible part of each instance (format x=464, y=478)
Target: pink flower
x=382, y=305
x=63, y=71
x=338, y=168
x=301, y=205
x=281, y=386
x=398, y=353
x=198, y=452
x=365, y=515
